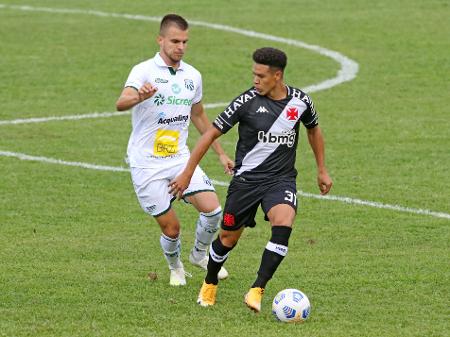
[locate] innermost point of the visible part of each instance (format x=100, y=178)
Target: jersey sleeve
x=309, y=117
x=228, y=118
x=136, y=78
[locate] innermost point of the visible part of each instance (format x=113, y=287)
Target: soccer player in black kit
x=269, y=116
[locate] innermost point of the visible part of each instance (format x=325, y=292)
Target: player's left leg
x=281, y=218
x=202, y=196
x=275, y=251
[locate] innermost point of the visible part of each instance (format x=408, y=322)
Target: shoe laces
x=209, y=293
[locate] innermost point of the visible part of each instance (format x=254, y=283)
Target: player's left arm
x=202, y=123
x=317, y=143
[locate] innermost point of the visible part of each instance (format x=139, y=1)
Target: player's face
x=265, y=78
x=173, y=44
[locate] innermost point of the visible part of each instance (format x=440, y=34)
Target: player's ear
x=159, y=39
x=278, y=74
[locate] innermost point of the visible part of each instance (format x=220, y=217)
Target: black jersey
x=268, y=132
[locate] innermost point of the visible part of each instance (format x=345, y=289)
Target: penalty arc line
x=347, y=72
x=347, y=200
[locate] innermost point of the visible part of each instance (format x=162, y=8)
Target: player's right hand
x=178, y=185
x=146, y=91
x=227, y=163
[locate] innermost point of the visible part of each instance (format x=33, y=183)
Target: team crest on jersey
x=292, y=114
x=189, y=84
x=228, y=219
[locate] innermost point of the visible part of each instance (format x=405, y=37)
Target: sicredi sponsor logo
x=178, y=101
x=171, y=100
x=286, y=138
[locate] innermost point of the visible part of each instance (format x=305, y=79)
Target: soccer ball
x=291, y=305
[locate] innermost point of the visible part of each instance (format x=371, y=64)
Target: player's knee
x=169, y=225
x=172, y=233
x=229, y=238
x=281, y=214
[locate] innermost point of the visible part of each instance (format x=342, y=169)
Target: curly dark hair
x=271, y=57
x=173, y=19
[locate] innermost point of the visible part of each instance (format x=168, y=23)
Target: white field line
x=347, y=200
x=23, y=156
x=375, y=204
x=63, y=118
x=78, y=117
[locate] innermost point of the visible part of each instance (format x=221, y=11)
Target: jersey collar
x=160, y=62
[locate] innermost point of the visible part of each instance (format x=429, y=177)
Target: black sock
x=218, y=254
x=273, y=254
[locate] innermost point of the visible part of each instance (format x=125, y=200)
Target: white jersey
x=160, y=123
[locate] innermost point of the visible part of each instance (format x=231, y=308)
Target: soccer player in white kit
x=165, y=94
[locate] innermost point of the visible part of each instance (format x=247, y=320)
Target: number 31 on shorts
x=291, y=197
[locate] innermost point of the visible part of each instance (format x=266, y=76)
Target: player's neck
x=169, y=62
x=279, y=92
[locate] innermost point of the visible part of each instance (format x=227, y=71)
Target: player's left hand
x=227, y=164
x=178, y=185
x=324, y=181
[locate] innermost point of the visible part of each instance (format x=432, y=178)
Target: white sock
x=172, y=250
x=207, y=226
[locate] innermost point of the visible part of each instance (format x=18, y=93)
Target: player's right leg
x=218, y=254
x=239, y=211
x=171, y=246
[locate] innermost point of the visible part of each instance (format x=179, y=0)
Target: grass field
x=75, y=247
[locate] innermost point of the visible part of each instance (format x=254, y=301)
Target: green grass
x=76, y=248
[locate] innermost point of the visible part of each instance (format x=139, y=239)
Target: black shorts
x=243, y=199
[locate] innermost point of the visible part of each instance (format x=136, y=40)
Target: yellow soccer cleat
x=253, y=299
x=207, y=295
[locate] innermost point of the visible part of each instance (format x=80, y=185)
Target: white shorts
x=152, y=191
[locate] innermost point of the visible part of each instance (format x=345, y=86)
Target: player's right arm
x=131, y=96
x=181, y=182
